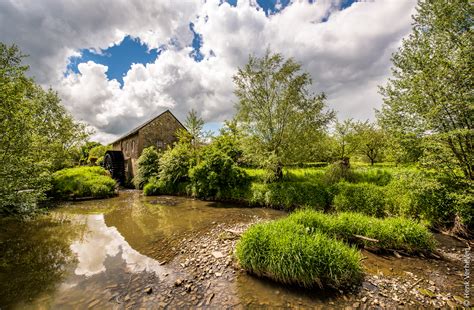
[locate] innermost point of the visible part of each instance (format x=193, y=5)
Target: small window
x=160, y=145
x=133, y=146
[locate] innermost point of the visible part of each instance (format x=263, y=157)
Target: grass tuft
x=288, y=253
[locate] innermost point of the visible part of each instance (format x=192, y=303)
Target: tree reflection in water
x=34, y=256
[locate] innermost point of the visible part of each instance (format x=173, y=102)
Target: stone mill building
x=159, y=131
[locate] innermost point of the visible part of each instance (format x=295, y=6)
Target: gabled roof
x=135, y=130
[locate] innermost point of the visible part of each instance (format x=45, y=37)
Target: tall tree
x=37, y=133
x=430, y=94
x=276, y=108
x=343, y=135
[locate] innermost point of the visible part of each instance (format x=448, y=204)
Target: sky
x=117, y=63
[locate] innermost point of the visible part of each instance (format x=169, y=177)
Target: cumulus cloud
x=347, y=52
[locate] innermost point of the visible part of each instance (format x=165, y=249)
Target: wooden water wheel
x=114, y=162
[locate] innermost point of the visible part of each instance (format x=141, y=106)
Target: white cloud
x=348, y=54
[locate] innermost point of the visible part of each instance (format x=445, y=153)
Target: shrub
x=420, y=196
x=216, y=175
x=147, y=166
x=174, y=166
x=97, y=153
x=338, y=172
x=287, y=253
x=392, y=233
x=82, y=182
x=288, y=195
x=360, y=197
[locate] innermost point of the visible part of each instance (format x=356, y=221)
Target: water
x=106, y=253
x=82, y=251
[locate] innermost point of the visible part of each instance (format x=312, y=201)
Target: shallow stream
x=126, y=251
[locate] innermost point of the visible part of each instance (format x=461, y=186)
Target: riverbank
x=209, y=276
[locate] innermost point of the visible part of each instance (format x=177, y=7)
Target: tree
x=37, y=134
x=344, y=136
x=370, y=140
x=430, y=94
x=276, y=109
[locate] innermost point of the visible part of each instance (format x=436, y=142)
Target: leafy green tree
x=345, y=145
x=276, y=109
x=37, y=134
x=430, y=94
x=370, y=140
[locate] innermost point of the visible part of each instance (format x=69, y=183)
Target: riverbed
x=174, y=252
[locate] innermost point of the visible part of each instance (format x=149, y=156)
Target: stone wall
x=160, y=133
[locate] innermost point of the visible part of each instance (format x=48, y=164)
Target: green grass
x=82, y=182
x=393, y=233
x=287, y=253
x=288, y=195
x=359, y=197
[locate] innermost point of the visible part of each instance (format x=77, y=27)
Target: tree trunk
x=279, y=171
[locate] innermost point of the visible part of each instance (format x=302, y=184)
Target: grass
x=359, y=197
x=288, y=195
x=395, y=233
x=287, y=253
x=82, y=182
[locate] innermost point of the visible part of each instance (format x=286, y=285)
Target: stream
x=159, y=252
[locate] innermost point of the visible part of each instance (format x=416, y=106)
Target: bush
x=147, y=166
x=287, y=253
x=174, y=166
x=82, y=182
x=394, y=233
x=289, y=195
x=419, y=196
x=338, y=172
x=97, y=153
x=216, y=175
x=360, y=197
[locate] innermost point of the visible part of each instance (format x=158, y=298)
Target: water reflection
x=101, y=242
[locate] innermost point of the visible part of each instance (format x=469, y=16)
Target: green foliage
x=82, y=182
x=36, y=135
x=395, y=233
x=361, y=197
x=430, y=95
x=276, y=109
x=337, y=172
x=420, y=196
x=289, y=195
x=289, y=254
x=344, y=145
x=216, y=175
x=97, y=153
x=379, y=177
x=174, y=166
x=147, y=166
x=369, y=140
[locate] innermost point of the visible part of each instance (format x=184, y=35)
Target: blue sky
x=119, y=58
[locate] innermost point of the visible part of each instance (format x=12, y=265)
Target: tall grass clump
x=82, y=182
x=359, y=197
x=395, y=233
x=289, y=195
x=287, y=253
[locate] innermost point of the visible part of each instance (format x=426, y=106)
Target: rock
x=217, y=254
x=355, y=305
x=218, y=274
x=178, y=282
x=148, y=290
x=209, y=298
x=93, y=303
x=364, y=299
